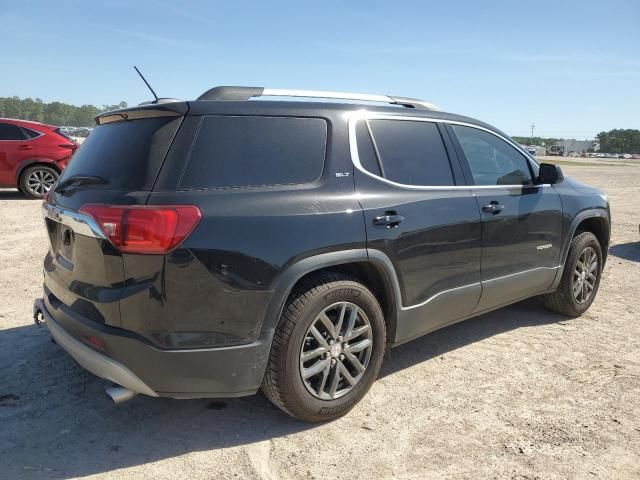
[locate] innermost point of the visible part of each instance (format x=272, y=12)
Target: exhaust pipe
x=38, y=317
x=120, y=394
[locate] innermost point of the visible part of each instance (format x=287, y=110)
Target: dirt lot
x=518, y=393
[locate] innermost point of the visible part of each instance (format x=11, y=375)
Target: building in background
x=577, y=146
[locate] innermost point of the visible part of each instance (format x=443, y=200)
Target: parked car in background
x=531, y=149
x=212, y=247
x=79, y=134
x=32, y=155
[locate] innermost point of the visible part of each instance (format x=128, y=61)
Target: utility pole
x=532, y=127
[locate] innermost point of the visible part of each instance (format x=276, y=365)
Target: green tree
x=106, y=108
x=54, y=113
x=538, y=141
x=619, y=141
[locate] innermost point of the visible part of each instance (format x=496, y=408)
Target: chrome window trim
x=365, y=115
x=80, y=223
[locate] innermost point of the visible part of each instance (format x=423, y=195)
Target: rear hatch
x=117, y=165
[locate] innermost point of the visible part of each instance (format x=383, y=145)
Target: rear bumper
x=98, y=364
x=142, y=368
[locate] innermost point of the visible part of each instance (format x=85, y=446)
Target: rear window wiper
x=79, y=180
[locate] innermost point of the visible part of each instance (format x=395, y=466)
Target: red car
x=32, y=155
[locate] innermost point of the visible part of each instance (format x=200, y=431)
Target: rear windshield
x=127, y=154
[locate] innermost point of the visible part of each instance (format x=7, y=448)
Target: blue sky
x=572, y=68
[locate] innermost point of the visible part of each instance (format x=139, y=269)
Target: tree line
x=537, y=141
x=619, y=141
x=613, y=141
x=58, y=113
x=54, y=113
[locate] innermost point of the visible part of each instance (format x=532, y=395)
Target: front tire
x=580, y=278
x=327, y=348
x=37, y=180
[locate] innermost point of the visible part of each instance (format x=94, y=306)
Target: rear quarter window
x=256, y=151
x=31, y=133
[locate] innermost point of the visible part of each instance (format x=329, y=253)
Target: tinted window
x=10, y=132
x=412, y=153
x=128, y=154
x=366, y=152
x=253, y=151
x=31, y=133
x=492, y=160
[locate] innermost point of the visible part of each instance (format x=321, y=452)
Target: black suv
x=213, y=247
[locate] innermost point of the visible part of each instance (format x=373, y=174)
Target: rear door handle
x=493, y=207
x=389, y=220
x=25, y=147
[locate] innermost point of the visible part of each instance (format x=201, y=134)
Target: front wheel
x=580, y=278
x=327, y=349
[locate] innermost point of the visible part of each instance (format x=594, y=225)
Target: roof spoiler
x=163, y=108
x=246, y=93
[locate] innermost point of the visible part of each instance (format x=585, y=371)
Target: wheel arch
x=599, y=226
x=371, y=271
x=594, y=220
x=31, y=163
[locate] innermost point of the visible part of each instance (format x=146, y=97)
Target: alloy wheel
x=336, y=351
x=40, y=182
x=585, y=275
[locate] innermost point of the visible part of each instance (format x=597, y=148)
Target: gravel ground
x=518, y=393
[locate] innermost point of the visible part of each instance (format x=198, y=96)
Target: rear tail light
x=145, y=229
x=70, y=146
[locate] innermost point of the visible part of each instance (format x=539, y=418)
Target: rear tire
x=345, y=354
x=580, y=277
x=37, y=180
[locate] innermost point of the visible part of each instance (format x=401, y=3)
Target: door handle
x=25, y=147
x=493, y=207
x=389, y=220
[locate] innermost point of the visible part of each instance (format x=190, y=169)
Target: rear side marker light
x=95, y=342
x=145, y=229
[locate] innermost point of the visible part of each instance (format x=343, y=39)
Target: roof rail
x=246, y=93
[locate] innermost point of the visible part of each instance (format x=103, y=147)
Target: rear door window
x=127, y=154
x=10, y=132
x=411, y=152
x=255, y=151
x=492, y=160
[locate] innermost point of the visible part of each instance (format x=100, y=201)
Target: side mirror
x=550, y=173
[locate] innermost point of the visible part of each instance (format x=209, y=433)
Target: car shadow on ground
x=529, y=313
x=626, y=251
x=12, y=194
x=58, y=422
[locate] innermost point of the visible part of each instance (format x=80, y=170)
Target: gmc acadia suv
x=213, y=247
